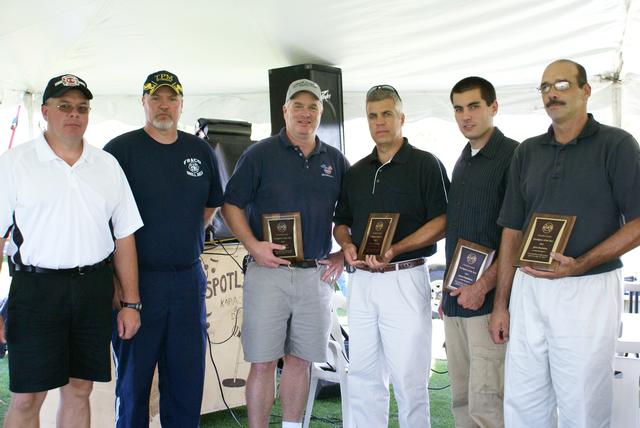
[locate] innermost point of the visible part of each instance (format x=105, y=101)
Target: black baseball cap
x=61, y=84
x=159, y=79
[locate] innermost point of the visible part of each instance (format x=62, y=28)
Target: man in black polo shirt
x=389, y=296
x=286, y=304
x=478, y=184
x=562, y=325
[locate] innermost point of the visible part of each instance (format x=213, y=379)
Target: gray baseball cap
x=303, y=85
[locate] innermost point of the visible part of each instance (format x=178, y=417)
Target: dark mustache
x=555, y=102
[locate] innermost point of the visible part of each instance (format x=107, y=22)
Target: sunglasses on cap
x=387, y=88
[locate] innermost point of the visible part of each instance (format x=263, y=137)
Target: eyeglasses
x=68, y=108
x=560, y=85
x=387, y=88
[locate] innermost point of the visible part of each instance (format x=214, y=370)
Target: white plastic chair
x=335, y=370
x=625, y=410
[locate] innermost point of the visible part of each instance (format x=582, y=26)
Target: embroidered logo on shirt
x=193, y=167
x=327, y=170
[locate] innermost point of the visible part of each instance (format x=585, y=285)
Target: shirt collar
x=490, y=149
x=590, y=128
x=401, y=156
x=46, y=154
x=286, y=143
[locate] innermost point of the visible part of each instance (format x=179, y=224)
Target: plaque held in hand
x=378, y=234
x=284, y=229
x=546, y=233
x=469, y=262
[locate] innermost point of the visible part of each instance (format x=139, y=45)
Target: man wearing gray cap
x=65, y=203
x=286, y=303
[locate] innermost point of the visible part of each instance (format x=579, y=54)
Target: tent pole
x=28, y=100
x=616, y=103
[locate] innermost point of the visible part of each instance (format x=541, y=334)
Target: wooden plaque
x=378, y=234
x=469, y=262
x=546, y=233
x=284, y=229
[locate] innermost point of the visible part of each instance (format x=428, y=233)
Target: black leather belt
x=80, y=270
x=303, y=264
x=389, y=267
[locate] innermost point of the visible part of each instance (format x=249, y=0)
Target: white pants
x=390, y=334
x=559, y=364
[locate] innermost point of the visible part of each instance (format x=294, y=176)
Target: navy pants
x=173, y=336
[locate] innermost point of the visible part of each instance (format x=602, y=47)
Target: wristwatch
x=136, y=306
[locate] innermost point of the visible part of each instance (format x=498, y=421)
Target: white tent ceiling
x=222, y=50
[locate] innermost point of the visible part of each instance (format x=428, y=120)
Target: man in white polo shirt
x=64, y=202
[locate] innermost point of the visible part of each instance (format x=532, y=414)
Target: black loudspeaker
x=229, y=139
x=331, y=129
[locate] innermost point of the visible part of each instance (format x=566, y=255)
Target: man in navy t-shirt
x=175, y=181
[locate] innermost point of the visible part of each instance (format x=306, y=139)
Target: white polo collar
x=46, y=154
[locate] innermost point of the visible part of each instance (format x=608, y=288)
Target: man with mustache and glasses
x=561, y=326
x=286, y=304
x=389, y=295
x=70, y=211
x=175, y=180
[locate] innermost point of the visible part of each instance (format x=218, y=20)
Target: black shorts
x=59, y=326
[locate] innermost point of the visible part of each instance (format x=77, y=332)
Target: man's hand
x=128, y=323
x=351, y=255
x=568, y=267
x=335, y=263
x=262, y=252
x=499, y=326
x=471, y=296
x=379, y=262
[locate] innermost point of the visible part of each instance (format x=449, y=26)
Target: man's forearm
x=489, y=278
x=430, y=233
x=237, y=221
x=125, y=262
x=3, y=241
x=624, y=240
x=342, y=235
x=209, y=212
x=511, y=240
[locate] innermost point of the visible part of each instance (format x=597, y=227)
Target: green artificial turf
x=326, y=412
x=4, y=387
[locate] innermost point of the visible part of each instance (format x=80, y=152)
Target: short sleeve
x=437, y=185
x=216, y=196
x=623, y=170
x=242, y=185
x=343, y=214
x=125, y=217
x=7, y=194
x=513, y=211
